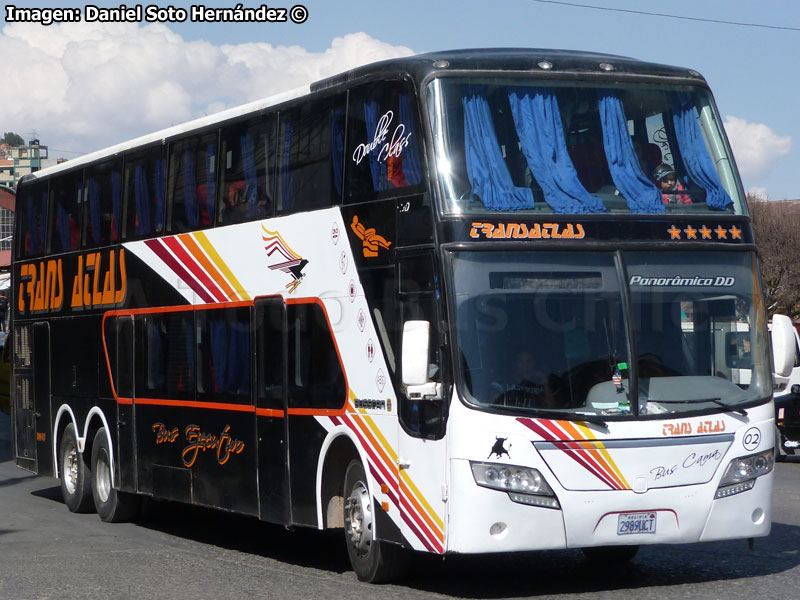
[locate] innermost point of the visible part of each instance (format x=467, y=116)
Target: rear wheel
x=112, y=505
x=75, y=473
x=374, y=561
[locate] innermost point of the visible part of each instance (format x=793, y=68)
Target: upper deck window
x=579, y=147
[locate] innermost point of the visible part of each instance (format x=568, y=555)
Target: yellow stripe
x=212, y=254
x=406, y=478
x=610, y=461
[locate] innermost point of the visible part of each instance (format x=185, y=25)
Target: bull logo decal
x=499, y=449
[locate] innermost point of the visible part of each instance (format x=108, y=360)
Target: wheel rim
x=70, y=469
x=358, y=518
x=103, y=477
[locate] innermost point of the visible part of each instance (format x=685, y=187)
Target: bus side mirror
x=416, y=342
x=783, y=345
x=416, y=345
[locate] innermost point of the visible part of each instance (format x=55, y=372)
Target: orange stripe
x=269, y=412
x=596, y=455
x=409, y=496
x=195, y=404
x=192, y=246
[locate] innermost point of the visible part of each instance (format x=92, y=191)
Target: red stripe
x=173, y=264
x=576, y=451
x=195, y=268
x=421, y=531
x=570, y=451
x=380, y=465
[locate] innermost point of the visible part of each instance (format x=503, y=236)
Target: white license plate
x=644, y=522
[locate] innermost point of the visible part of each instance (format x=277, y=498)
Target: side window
x=102, y=217
x=66, y=198
x=31, y=219
x=384, y=142
x=145, y=192
x=316, y=379
x=247, y=163
x=310, y=160
x=165, y=356
x=417, y=294
x=270, y=328
x=192, y=186
x=379, y=289
x=224, y=354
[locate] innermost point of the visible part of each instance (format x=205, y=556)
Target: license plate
x=644, y=522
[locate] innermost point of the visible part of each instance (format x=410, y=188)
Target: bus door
x=271, y=401
x=123, y=353
x=32, y=395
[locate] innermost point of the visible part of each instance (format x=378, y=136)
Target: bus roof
x=564, y=62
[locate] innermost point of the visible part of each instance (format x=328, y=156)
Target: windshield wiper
x=717, y=401
x=571, y=416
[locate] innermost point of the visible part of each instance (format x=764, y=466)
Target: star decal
x=705, y=232
x=691, y=233
x=674, y=232
x=736, y=233
x=722, y=233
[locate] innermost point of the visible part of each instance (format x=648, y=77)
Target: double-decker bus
x=464, y=302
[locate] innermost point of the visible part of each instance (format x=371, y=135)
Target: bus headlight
x=523, y=484
x=742, y=472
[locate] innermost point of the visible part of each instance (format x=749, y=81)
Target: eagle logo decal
x=285, y=259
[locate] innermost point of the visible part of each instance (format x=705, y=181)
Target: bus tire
x=373, y=561
x=610, y=556
x=112, y=505
x=75, y=473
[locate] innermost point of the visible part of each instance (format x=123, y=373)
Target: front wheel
x=75, y=473
x=374, y=561
x=112, y=505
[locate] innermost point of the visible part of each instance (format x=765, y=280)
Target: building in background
x=18, y=161
x=7, y=202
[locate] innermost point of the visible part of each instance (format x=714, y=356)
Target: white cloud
x=756, y=147
x=84, y=86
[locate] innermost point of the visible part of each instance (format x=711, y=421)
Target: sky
x=79, y=87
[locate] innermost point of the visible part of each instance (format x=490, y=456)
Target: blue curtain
x=230, y=346
x=376, y=168
x=486, y=169
x=337, y=149
x=539, y=127
x=190, y=189
x=211, y=181
x=286, y=175
x=116, y=205
x=160, y=186
x=694, y=153
x=412, y=165
x=250, y=174
x=94, y=209
x=626, y=171
x=142, y=195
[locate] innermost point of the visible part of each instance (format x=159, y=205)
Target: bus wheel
x=75, y=473
x=112, y=505
x=373, y=561
x=610, y=556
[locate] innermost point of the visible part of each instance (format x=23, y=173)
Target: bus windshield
x=579, y=148
x=549, y=332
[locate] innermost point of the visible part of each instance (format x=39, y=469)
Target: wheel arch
x=95, y=420
x=339, y=448
x=64, y=417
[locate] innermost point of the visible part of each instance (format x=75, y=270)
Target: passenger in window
x=667, y=182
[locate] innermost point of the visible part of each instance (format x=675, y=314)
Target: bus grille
x=24, y=394
x=22, y=346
